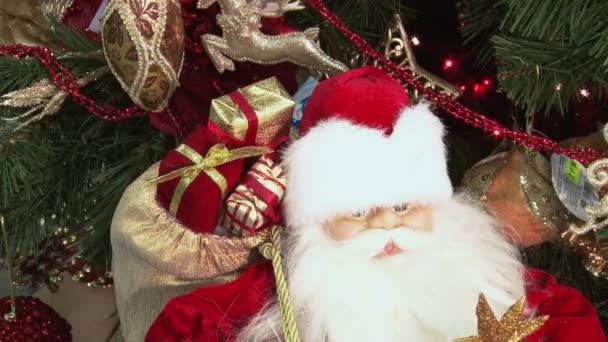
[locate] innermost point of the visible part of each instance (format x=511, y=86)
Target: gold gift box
x=273, y=108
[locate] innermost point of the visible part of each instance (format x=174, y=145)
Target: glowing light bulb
x=496, y=132
x=463, y=88
x=558, y=87
x=584, y=92
x=415, y=41
x=448, y=63
x=476, y=87
x=487, y=81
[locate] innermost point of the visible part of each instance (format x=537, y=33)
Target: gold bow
x=217, y=155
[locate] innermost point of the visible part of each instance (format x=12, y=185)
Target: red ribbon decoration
x=451, y=106
x=252, y=118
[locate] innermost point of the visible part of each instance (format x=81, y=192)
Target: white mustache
x=372, y=241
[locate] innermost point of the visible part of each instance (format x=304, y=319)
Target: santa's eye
x=401, y=208
x=359, y=214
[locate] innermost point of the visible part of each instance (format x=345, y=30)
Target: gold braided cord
x=272, y=251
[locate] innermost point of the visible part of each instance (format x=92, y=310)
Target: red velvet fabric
x=571, y=316
x=357, y=87
x=202, y=200
x=215, y=314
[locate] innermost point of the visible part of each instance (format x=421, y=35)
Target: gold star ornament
x=509, y=329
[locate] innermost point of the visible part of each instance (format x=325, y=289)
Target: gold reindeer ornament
x=243, y=41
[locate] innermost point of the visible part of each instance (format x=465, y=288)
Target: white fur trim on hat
x=339, y=167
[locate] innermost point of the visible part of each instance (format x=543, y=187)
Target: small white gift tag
x=570, y=183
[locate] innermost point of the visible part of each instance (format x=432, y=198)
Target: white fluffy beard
x=428, y=292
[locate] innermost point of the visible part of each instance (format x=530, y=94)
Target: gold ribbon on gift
x=217, y=155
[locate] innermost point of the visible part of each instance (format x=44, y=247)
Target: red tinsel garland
x=63, y=79
x=451, y=106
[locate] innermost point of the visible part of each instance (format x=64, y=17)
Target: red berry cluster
x=451, y=106
x=34, y=321
x=63, y=79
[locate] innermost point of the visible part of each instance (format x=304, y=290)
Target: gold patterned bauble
x=510, y=328
x=143, y=41
x=516, y=187
x=156, y=258
x=243, y=41
x=26, y=21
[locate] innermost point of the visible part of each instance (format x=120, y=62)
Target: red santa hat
x=361, y=145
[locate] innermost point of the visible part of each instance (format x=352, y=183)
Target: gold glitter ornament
x=43, y=98
x=516, y=187
x=143, y=41
x=593, y=250
x=243, y=41
x=510, y=328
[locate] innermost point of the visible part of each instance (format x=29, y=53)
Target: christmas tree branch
x=69, y=169
x=546, y=51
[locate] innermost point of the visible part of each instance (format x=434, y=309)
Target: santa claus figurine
x=376, y=245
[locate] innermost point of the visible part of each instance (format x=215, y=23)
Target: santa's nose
x=384, y=218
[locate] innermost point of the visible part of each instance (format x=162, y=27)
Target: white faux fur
x=339, y=167
x=428, y=293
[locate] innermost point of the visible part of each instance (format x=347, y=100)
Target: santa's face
x=391, y=274
x=415, y=217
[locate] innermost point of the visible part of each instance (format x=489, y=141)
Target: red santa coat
x=216, y=314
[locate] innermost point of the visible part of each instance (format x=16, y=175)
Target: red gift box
x=254, y=204
x=195, y=178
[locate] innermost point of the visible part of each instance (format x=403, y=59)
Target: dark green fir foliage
x=70, y=169
x=545, y=51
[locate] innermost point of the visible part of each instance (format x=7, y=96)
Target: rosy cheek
x=419, y=218
x=345, y=229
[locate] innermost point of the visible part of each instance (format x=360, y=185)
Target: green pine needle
x=545, y=50
x=73, y=40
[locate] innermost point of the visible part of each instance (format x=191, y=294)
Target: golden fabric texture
x=25, y=21
x=155, y=258
x=244, y=207
x=516, y=187
x=509, y=328
x=270, y=101
x=143, y=41
x=216, y=156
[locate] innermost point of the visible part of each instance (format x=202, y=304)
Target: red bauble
x=34, y=321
